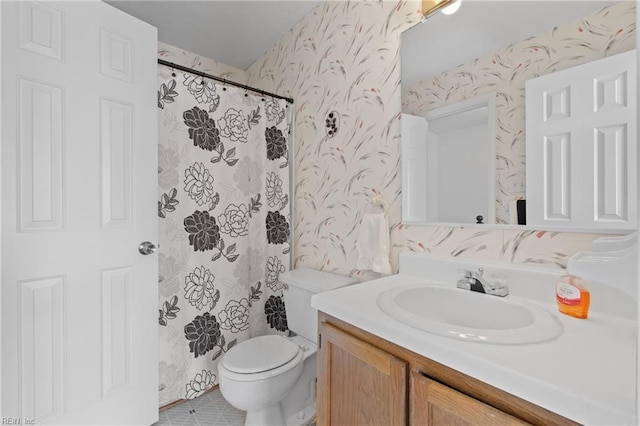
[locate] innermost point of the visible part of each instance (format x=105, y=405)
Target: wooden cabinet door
x=358, y=384
x=435, y=404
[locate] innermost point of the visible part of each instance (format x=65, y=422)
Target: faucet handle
x=497, y=284
x=465, y=278
x=465, y=273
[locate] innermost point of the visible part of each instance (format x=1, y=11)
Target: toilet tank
x=301, y=284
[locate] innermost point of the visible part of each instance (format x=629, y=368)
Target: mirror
x=488, y=50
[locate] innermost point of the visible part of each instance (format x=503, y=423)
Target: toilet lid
x=260, y=354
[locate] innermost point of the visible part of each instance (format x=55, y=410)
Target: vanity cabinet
x=432, y=403
x=366, y=380
x=360, y=383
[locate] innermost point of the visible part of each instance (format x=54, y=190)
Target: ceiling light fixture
x=452, y=7
x=448, y=7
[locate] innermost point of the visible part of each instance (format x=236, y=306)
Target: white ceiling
x=239, y=32
x=480, y=28
x=236, y=33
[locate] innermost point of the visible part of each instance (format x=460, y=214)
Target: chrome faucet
x=475, y=281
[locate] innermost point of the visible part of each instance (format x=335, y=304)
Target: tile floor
x=210, y=409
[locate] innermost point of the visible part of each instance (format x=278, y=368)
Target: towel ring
x=376, y=205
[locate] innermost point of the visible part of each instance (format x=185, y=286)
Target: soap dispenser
x=572, y=296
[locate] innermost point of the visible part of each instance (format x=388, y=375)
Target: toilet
x=272, y=377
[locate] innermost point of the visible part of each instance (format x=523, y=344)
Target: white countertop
x=587, y=374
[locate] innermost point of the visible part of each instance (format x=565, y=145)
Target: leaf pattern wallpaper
x=344, y=57
x=225, y=232
x=197, y=62
x=607, y=32
x=340, y=63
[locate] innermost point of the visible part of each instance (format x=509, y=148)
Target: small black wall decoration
x=331, y=123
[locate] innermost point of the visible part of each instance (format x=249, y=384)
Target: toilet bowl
x=264, y=377
x=272, y=377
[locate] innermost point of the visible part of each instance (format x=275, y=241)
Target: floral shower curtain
x=224, y=208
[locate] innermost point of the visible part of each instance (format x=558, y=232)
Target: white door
x=414, y=168
x=79, y=318
x=582, y=145
x=462, y=175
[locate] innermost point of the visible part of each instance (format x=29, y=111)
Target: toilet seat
x=259, y=358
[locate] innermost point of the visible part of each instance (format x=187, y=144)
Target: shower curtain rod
x=221, y=80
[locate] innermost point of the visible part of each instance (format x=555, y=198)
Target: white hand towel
x=373, y=242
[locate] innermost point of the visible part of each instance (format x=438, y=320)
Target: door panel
x=611, y=178
x=557, y=177
x=115, y=123
x=42, y=347
x=40, y=156
x=79, y=177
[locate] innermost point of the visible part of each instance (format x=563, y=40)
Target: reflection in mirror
x=495, y=47
x=459, y=142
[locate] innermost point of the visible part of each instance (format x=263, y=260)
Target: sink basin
x=468, y=315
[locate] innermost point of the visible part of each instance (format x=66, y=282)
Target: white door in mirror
x=414, y=172
x=581, y=126
x=448, y=158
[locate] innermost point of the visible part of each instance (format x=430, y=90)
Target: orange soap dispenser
x=572, y=296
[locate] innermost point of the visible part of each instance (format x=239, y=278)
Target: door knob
x=146, y=248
